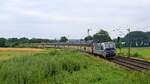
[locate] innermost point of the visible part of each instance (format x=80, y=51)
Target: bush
x=120, y=54
x=70, y=67
x=136, y=54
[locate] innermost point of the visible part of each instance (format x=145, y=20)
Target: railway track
x=131, y=64
x=128, y=63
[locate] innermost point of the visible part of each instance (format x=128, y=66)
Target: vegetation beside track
x=143, y=52
x=55, y=66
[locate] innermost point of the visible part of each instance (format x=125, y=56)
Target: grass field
x=51, y=66
x=8, y=53
x=143, y=53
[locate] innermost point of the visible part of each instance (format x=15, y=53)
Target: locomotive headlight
x=104, y=54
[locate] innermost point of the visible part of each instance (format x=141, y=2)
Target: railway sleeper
x=133, y=63
x=135, y=60
x=136, y=63
x=129, y=67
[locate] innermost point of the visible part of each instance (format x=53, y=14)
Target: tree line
x=133, y=39
x=137, y=39
x=14, y=42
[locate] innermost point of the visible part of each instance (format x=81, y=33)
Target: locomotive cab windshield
x=108, y=45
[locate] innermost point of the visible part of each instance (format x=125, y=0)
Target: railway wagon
x=105, y=49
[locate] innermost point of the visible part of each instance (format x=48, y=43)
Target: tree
x=12, y=42
x=63, y=39
x=137, y=39
x=88, y=38
x=148, y=33
x=2, y=42
x=101, y=36
x=23, y=40
x=37, y=40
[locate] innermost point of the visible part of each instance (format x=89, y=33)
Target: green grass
x=143, y=53
x=64, y=67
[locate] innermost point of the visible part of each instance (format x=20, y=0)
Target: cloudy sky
x=54, y=18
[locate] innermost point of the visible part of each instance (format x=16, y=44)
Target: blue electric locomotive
x=105, y=49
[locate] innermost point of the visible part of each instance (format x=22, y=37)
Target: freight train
x=105, y=49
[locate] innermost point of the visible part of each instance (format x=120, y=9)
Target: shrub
x=71, y=67
x=120, y=54
x=136, y=54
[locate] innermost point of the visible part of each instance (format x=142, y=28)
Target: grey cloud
x=71, y=15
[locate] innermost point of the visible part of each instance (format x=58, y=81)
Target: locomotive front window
x=99, y=47
x=102, y=48
x=109, y=45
